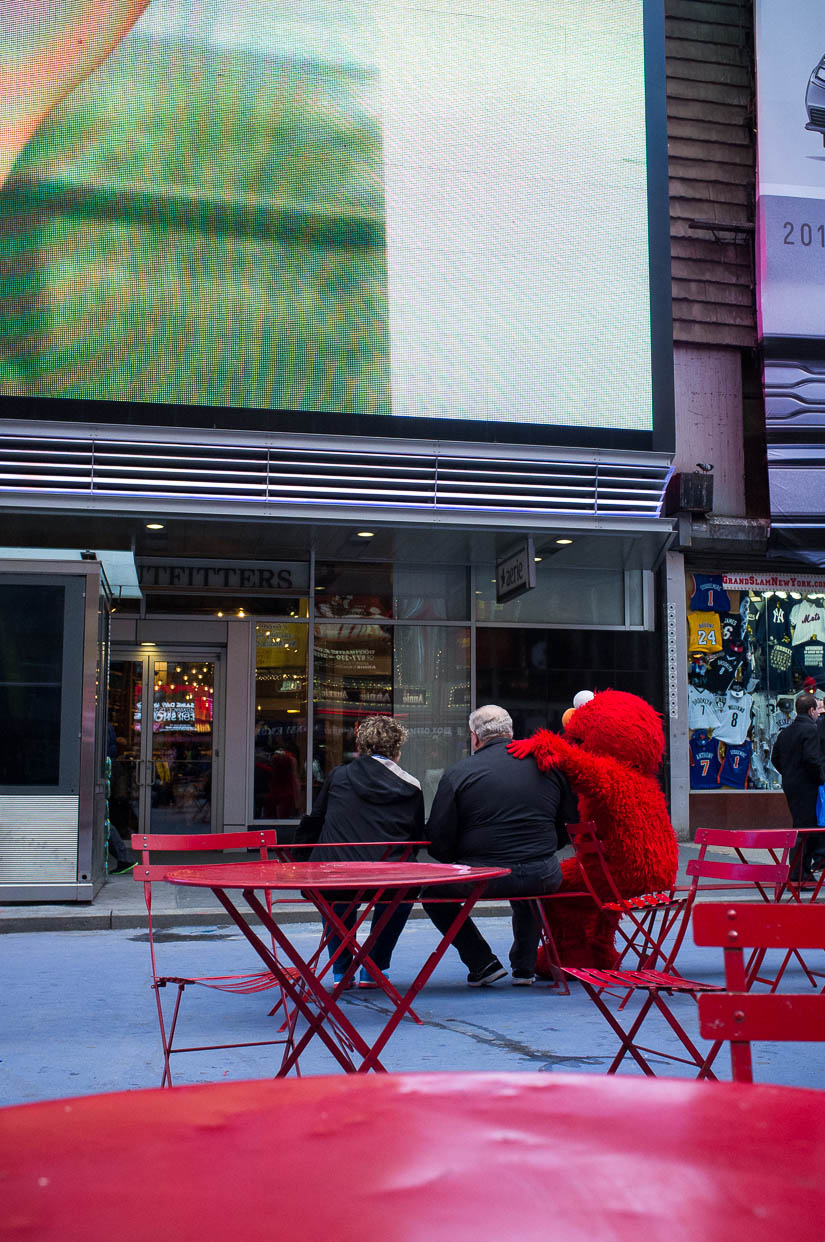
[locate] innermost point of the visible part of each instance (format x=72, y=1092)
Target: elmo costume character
x=610, y=753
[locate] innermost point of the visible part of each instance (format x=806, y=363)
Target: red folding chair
x=738, y=1015
x=765, y=876
x=644, y=922
x=657, y=986
x=647, y=940
x=147, y=872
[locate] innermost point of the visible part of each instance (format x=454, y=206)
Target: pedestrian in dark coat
x=492, y=809
x=797, y=757
x=370, y=799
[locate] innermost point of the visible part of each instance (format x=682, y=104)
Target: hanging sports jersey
x=702, y=709
x=774, y=624
x=704, y=633
x=704, y=761
x=808, y=621
x=732, y=641
x=722, y=672
x=809, y=660
x=697, y=671
x=734, y=719
x=750, y=611
x=708, y=594
x=778, y=668
x=736, y=765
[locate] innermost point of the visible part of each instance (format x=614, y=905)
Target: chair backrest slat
x=750, y=872
x=759, y=925
x=757, y=838
x=762, y=1015
x=738, y=1015
x=205, y=841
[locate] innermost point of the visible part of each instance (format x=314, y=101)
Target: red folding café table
x=391, y=883
x=421, y=1158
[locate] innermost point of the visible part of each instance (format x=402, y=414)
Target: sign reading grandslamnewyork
x=774, y=582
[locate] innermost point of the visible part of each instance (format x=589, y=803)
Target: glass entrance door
x=162, y=740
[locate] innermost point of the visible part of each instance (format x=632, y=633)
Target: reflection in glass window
x=534, y=673
x=419, y=674
x=431, y=592
x=561, y=597
x=431, y=676
x=216, y=605
x=31, y=689
x=279, y=778
x=344, y=590
x=353, y=679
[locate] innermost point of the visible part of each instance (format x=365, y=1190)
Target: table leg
x=359, y=955
x=423, y=975
x=348, y=937
x=323, y=1000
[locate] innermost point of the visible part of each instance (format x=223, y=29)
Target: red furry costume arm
x=611, y=752
x=627, y=806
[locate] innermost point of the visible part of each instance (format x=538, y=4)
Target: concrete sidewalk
x=120, y=904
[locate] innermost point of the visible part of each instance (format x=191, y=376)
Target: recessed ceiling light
x=155, y=526
x=564, y=541
x=365, y=534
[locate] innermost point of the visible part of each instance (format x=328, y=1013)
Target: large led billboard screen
x=790, y=48
x=404, y=211
x=790, y=42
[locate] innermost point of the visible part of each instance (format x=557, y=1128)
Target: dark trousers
x=118, y=847
x=528, y=879
x=387, y=938
x=810, y=846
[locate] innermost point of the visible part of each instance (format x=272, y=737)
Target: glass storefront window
x=280, y=749
x=229, y=606
x=431, y=593
x=31, y=683
x=564, y=597
x=419, y=674
x=344, y=590
x=183, y=698
x=535, y=673
x=431, y=696
x=353, y=679
x=750, y=652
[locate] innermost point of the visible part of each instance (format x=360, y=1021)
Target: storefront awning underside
x=322, y=478
x=118, y=566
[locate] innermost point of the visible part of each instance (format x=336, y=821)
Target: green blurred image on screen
x=400, y=208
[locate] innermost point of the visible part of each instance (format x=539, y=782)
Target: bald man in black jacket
x=494, y=810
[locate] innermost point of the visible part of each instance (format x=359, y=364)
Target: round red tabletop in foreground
x=419, y=1158
x=329, y=875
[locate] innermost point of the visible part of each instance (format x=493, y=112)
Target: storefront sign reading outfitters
x=253, y=577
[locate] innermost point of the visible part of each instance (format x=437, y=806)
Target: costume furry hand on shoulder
x=611, y=752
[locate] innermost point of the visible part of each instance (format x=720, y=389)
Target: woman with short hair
x=369, y=799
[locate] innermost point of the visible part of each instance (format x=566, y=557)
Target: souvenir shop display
x=750, y=652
